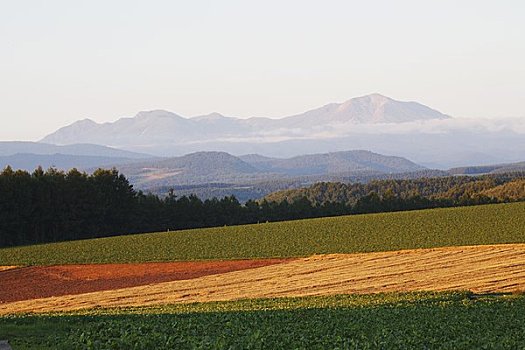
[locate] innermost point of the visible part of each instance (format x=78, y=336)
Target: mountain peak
x=86, y=121
x=210, y=117
x=368, y=109
x=376, y=96
x=156, y=114
x=365, y=109
x=370, y=98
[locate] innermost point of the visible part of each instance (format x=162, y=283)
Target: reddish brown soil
x=34, y=282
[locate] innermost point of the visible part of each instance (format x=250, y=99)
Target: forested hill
x=332, y=163
x=454, y=188
x=221, y=167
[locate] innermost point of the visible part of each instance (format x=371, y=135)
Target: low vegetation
x=393, y=321
x=485, y=224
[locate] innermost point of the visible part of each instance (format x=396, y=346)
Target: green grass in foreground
x=388, y=321
x=487, y=224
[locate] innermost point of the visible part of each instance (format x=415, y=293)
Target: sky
x=61, y=61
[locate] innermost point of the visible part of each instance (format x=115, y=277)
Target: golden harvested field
x=5, y=268
x=481, y=269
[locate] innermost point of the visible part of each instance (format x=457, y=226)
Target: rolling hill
x=332, y=163
x=488, y=169
x=430, y=228
x=221, y=167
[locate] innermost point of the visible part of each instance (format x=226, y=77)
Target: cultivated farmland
x=384, y=321
x=480, y=269
x=186, y=290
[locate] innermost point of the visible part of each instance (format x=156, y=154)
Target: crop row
x=398, y=321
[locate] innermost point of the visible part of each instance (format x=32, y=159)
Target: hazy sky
x=61, y=61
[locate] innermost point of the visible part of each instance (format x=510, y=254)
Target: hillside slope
x=485, y=224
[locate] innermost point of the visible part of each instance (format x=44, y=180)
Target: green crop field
x=388, y=321
x=487, y=224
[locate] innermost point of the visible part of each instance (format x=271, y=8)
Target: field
x=488, y=224
x=480, y=269
x=384, y=321
x=437, y=279
x=36, y=282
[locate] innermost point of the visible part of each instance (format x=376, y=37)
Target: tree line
x=449, y=190
x=52, y=205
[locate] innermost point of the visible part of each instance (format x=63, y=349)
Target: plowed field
x=45, y=281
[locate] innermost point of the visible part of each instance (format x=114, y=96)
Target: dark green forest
x=52, y=205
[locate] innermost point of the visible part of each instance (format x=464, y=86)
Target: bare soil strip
x=481, y=269
x=35, y=282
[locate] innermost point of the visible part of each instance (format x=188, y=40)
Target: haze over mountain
x=9, y=148
x=29, y=155
x=373, y=122
x=30, y=161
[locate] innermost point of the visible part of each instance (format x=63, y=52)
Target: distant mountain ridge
x=9, y=148
x=158, y=128
x=29, y=155
x=372, y=122
x=30, y=161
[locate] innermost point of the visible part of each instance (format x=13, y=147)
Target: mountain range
x=372, y=122
x=159, y=128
